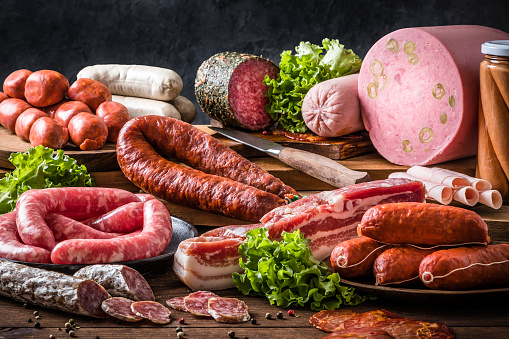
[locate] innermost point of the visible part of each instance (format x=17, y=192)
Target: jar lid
x=496, y=47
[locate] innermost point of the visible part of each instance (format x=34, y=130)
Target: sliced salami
x=197, y=303
x=119, y=281
x=151, y=310
x=177, y=303
x=228, y=310
x=120, y=308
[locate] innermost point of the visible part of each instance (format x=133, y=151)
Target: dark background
x=68, y=35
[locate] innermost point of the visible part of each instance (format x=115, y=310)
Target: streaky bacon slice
x=327, y=218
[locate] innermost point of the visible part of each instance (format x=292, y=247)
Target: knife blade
x=315, y=165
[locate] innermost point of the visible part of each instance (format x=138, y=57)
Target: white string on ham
x=441, y=193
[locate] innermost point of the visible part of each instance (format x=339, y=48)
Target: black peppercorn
x=37, y=324
x=280, y=315
x=231, y=334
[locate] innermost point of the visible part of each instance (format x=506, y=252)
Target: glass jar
x=493, y=147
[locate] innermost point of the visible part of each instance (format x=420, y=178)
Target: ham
x=327, y=218
x=419, y=90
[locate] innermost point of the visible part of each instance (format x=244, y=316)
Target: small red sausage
x=67, y=110
x=10, y=110
x=3, y=96
x=50, y=110
x=88, y=131
x=14, y=84
x=45, y=88
x=49, y=133
x=91, y=92
x=115, y=115
x=26, y=120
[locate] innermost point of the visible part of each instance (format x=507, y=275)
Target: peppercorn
x=178, y=329
x=68, y=325
x=51, y=336
x=291, y=313
x=36, y=313
x=37, y=324
x=72, y=333
x=71, y=321
x=181, y=320
x=29, y=320
x=279, y=315
x=268, y=316
x=180, y=334
x=231, y=334
x=253, y=321
x=97, y=337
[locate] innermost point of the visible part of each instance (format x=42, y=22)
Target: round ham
x=419, y=91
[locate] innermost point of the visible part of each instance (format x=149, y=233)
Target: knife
x=315, y=165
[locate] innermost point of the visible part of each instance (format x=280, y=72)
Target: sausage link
x=64, y=228
x=423, y=224
x=91, y=92
x=88, y=131
x=49, y=133
x=466, y=267
x=45, y=88
x=10, y=110
x=231, y=184
x=67, y=110
x=115, y=115
x=14, y=84
x=25, y=122
x=126, y=218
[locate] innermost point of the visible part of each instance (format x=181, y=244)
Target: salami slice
x=119, y=281
x=52, y=289
x=197, y=303
x=228, y=310
x=151, y=310
x=177, y=303
x=120, y=308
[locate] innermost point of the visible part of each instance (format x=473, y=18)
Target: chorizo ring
x=220, y=181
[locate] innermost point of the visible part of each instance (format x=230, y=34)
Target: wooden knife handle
x=321, y=167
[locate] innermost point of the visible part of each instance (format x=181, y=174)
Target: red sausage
x=67, y=110
x=354, y=258
x=3, y=96
x=88, y=131
x=423, y=224
x=115, y=115
x=45, y=88
x=14, y=84
x=50, y=110
x=466, y=267
x=13, y=249
x=33, y=206
x=152, y=241
x=26, y=120
x=49, y=133
x=91, y=92
x=64, y=228
x=124, y=219
x=10, y=110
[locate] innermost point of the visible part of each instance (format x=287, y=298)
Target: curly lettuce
x=40, y=168
x=310, y=65
x=287, y=274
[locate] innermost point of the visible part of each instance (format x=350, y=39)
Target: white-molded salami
x=419, y=92
x=120, y=308
x=153, y=311
x=228, y=310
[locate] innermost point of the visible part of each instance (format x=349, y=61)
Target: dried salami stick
x=52, y=289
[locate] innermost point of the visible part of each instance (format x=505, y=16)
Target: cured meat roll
x=419, y=91
x=52, y=289
x=229, y=88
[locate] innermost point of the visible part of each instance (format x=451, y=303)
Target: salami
x=220, y=180
x=197, y=303
x=119, y=281
x=120, y=308
x=229, y=88
x=228, y=310
x=177, y=303
x=39, y=287
x=153, y=311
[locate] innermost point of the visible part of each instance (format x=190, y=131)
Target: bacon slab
x=327, y=218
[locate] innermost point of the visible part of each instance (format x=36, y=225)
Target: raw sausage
x=64, y=228
x=354, y=258
x=423, y=224
x=234, y=186
x=466, y=267
x=13, y=249
x=45, y=88
x=115, y=115
x=119, y=281
x=185, y=107
x=139, y=107
x=67, y=110
x=14, y=84
x=152, y=241
x=10, y=110
x=126, y=218
x=52, y=289
x=89, y=91
x=136, y=80
x=26, y=120
x=49, y=133
x=120, y=308
x=331, y=108
x=33, y=206
x=88, y=131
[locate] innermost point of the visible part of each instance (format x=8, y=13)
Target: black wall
x=68, y=35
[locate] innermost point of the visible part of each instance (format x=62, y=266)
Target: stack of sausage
x=144, y=90
x=445, y=247
x=41, y=107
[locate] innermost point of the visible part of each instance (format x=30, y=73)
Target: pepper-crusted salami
x=228, y=310
x=119, y=281
x=220, y=180
x=52, y=289
x=229, y=88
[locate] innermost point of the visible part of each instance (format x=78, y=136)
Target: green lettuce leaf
x=299, y=72
x=287, y=274
x=40, y=168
